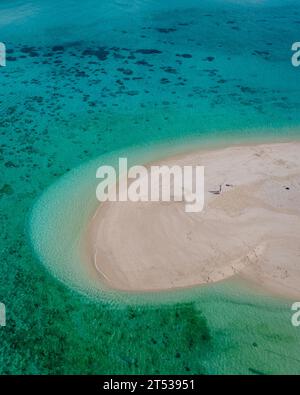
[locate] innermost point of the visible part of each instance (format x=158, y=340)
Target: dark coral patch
x=101, y=53
x=166, y=30
x=185, y=55
x=148, y=51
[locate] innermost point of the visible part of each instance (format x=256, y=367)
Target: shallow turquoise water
x=82, y=81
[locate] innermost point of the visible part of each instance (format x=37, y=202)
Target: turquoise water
x=82, y=81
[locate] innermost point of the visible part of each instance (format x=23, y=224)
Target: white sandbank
x=250, y=230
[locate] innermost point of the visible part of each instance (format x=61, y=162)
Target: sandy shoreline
x=250, y=230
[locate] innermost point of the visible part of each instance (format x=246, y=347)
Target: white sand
x=250, y=230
